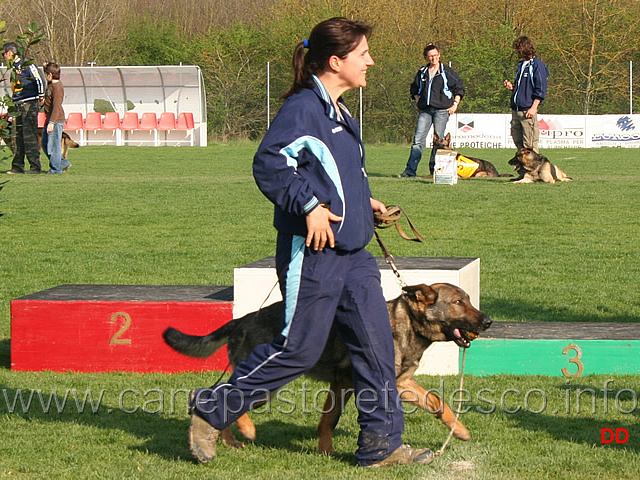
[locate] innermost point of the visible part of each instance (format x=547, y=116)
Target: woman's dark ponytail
x=301, y=75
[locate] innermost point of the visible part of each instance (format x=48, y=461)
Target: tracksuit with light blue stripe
x=311, y=155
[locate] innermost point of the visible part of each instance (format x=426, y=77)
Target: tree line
x=587, y=44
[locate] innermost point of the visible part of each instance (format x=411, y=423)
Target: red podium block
x=103, y=328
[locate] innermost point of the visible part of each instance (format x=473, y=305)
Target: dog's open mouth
x=463, y=338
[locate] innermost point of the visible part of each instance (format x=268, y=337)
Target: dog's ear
x=421, y=293
x=435, y=137
x=447, y=137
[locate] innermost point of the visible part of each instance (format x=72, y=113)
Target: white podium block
x=255, y=286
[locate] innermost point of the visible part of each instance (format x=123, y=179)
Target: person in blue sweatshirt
x=311, y=166
x=527, y=93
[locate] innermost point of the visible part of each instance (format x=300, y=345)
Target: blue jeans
x=436, y=116
x=52, y=147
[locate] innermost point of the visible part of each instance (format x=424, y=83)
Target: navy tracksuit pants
x=320, y=288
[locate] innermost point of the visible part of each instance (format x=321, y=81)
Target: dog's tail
x=196, y=345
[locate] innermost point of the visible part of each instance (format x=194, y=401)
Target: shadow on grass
x=5, y=353
x=163, y=434
x=291, y=437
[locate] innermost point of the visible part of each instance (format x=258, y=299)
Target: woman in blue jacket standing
x=311, y=165
x=437, y=91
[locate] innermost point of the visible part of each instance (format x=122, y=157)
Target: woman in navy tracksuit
x=527, y=93
x=310, y=164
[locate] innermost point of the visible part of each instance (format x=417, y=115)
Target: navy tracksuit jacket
x=312, y=156
x=530, y=83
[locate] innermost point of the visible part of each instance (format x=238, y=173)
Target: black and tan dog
x=534, y=167
x=468, y=167
x=67, y=142
x=422, y=315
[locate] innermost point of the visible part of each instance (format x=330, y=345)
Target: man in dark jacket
x=28, y=91
x=528, y=93
x=437, y=91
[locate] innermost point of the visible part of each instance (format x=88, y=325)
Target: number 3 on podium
x=575, y=360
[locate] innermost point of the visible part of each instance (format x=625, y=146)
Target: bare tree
x=78, y=30
x=594, y=39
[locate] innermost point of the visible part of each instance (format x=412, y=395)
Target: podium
x=101, y=328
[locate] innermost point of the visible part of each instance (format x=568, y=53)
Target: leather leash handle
x=392, y=217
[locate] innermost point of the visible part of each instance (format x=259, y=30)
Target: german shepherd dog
x=67, y=142
x=421, y=315
x=534, y=167
x=485, y=168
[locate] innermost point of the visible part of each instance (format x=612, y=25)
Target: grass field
x=188, y=216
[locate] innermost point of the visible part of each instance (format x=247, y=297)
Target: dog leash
x=392, y=218
x=460, y=401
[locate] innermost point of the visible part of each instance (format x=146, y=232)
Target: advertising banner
x=479, y=130
x=613, y=131
x=561, y=131
x=493, y=130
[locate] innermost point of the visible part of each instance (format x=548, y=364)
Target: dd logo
x=607, y=435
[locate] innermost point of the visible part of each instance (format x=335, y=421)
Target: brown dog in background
x=534, y=167
x=423, y=314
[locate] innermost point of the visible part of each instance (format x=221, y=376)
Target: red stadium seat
x=92, y=122
x=111, y=121
x=149, y=122
x=75, y=123
x=167, y=121
x=185, y=122
x=130, y=121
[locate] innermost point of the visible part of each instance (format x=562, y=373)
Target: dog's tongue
x=456, y=332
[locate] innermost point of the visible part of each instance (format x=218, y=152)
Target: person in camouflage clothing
x=28, y=92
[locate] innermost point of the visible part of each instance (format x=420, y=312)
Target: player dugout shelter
x=135, y=105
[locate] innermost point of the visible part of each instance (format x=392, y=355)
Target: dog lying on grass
x=468, y=167
x=421, y=315
x=534, y=167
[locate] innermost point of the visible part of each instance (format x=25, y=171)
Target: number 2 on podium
x=117, y=337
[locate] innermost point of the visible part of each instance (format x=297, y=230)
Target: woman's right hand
x=319, y=230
